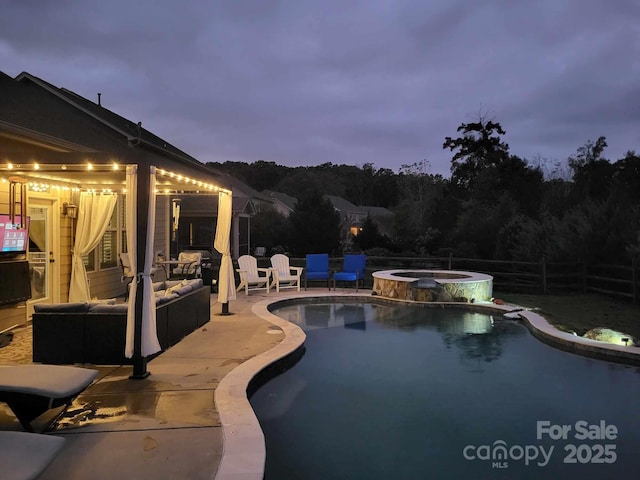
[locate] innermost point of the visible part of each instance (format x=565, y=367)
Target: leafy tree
x=530, y=240
x=479, y=147
x=385, y=189
x=306, y=179
x=626, y=185
x=415, y=215
x=269, y=228
x=512, y=176
x=556, y=197
x=592, y=174
x=369, y=237
x=260, y=175
x=588, y=153
x=590, y=232
x=478, y=225
x=315, y=225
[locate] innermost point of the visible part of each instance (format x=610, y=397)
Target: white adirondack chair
x=285, y=276
x=250, y=275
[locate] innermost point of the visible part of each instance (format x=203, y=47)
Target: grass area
x=581, y=312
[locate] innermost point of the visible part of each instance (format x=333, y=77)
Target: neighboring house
x=283, y=203
x=352, y=218
x=55, y=144
x=382, y=217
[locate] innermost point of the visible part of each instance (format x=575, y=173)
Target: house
x=56, y=148
x=282, y=202
x=352, y=218
x=382, y=217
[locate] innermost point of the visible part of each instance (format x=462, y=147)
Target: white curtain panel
x=176, y=215
x=222, y=243
x=150, y=344
x=131, y=214
x=94, y=213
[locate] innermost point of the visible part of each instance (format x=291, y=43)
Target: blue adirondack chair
x=352, y=270
x=317, y=268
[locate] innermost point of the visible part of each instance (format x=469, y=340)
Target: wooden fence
x=523, y=277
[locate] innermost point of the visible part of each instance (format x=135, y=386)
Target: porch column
x=142, y=197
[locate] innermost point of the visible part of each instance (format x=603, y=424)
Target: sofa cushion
x=160, y=299
x=183, y=290
x=105, y=301
x=180, y=287
x=106, y=308
x=61, y=307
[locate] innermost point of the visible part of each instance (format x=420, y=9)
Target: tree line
x=495, y=205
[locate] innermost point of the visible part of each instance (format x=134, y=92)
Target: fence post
x=450, y=256
x=584, y=276
x=543, y=262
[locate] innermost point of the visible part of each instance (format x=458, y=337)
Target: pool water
x=412, y=392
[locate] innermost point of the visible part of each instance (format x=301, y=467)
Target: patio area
x=167, y=425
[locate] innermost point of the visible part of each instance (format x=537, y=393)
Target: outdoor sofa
x=95, y=332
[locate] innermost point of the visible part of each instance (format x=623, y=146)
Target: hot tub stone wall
x=463, y=291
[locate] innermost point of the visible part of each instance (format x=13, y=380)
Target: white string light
x=114, y=166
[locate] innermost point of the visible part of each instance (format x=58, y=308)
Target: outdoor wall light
x=69, y=210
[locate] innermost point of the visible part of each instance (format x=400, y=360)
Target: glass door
x=41, y=252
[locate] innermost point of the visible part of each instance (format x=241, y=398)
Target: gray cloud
x=303, y=83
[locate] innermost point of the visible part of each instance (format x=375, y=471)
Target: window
x=90, y=261
x=108, y=249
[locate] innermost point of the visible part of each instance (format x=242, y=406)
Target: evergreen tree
x=315, y=225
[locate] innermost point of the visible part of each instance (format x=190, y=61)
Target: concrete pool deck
x=191, y=418
x=171, y=425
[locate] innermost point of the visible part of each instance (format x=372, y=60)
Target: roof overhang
x=103, y=172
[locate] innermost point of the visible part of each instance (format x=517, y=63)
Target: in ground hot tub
x=433, y=285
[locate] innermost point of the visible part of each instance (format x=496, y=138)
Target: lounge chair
x=26, y=455
x=352, y=270
x=317, y=269
x=189, y=265
x=127, y=272
x=250, y=275
x=284, y=275
x=31, y=390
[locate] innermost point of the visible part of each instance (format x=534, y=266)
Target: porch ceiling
x=106, y=176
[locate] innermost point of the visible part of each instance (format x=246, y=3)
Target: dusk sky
x=348, y=82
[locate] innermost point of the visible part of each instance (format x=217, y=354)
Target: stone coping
x=440, y=276
x=542, y=330
x=244, y=449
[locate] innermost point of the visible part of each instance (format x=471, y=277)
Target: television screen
x=13, y=236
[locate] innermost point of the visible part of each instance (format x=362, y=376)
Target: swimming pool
x=413, y=391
